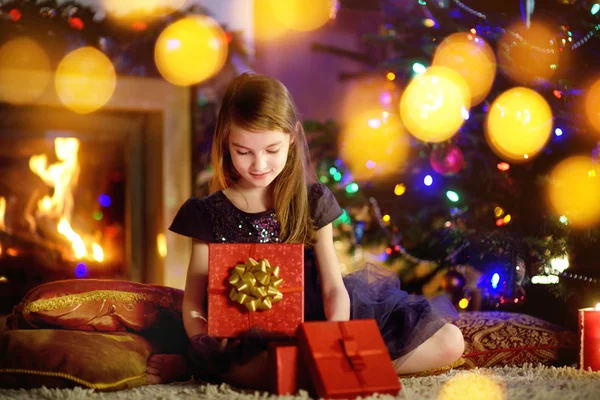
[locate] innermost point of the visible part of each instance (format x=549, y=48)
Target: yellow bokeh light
x=361, y=95
x=266, y=26
x=592, y=106
x=574, y=193
x=120, y=8
x=24, y=71
x=374, y=145
x=527, y=55
x=386, y=218
x=434, y=104
x=472, y=58
x=85, y=80
x=498, y=212
x=302, y=15
x=518, y=124
x=472, y=386
x=400, y=189
x=390, y=76
x=463, y=303
x=191, y=50
x=507, y=218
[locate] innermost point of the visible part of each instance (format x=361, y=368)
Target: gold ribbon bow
x=256, y=285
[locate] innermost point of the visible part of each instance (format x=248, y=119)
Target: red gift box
x=228, y=318
x=347, y=359
x=286, y=371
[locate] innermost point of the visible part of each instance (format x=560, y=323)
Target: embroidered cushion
x=62, y=358
x=496, y=338
x=102, y=305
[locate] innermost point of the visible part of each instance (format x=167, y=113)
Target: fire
x=2, y=212
x=63, y=176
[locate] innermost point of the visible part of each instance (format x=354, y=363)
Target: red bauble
x=446, y=160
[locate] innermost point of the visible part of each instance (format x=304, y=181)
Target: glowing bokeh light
x=374, y=150
x=518, y=124
x=85, y=80
x=24, y=71
x=432, y=106
x=573, y=193
x=528, y=54
x=191, y=50
x=302, y=15
x=472, y=58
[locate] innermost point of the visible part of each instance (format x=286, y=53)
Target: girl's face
x=258, y=157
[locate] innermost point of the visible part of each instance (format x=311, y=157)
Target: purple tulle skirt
x=405, y=320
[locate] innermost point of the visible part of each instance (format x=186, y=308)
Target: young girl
x=262, y=193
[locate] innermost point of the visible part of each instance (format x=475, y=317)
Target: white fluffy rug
x=529, y=383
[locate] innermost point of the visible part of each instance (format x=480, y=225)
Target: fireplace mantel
x=172, y=103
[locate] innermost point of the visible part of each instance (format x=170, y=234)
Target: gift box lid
x=347, y=358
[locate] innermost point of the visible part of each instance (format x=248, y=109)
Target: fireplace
x=91, y=196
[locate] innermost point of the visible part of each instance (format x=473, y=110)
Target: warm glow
x=24, y=71
x=374, y=145
x=559, y=265
x=592, y=106
x=598, y=307
x=386, y=218
x=400, y=189
x=97, y=252
x=2, y=213
x=161, y=245
x=62, y=177
x=85, y=80
x=191, y=50
x=518, y=124
x=528, y=54
x=472, y=58
x=463, y=303
x=434, y=104
x=3, y=279
x=473, y=386
x=302, y=15
x=120, y=8
x=574, y=193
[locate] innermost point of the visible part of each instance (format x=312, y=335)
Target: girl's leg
x=442, y=349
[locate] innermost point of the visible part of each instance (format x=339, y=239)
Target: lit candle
x=589, y=336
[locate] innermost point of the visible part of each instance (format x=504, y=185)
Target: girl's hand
x=208, y=354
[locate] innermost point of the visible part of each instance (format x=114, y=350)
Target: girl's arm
x=335, y=295
x=194, y=295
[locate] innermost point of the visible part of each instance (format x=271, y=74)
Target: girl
x=262, y=193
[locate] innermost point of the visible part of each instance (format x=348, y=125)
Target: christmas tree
x=460, y=183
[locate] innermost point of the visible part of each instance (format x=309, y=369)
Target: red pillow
x=106, y=306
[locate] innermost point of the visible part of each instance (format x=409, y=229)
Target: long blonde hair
x=261, y=103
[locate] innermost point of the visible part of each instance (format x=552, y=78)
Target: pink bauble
x=447, y=160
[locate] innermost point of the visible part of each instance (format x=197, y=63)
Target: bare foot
x=166, y=368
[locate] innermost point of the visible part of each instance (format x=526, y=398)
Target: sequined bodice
x=232, y=225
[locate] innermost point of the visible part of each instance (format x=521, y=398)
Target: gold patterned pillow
x=31, y=358
x=497, y=338
x=104, y=305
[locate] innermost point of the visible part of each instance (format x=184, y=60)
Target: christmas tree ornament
x=446, y=159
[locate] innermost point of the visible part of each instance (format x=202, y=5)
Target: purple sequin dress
x=405, y=320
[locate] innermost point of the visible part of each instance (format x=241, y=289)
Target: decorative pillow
x=501, y=338
x=104, y=305
x=61, y=358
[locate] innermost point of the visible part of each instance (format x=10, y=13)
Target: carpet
x=528, y=382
